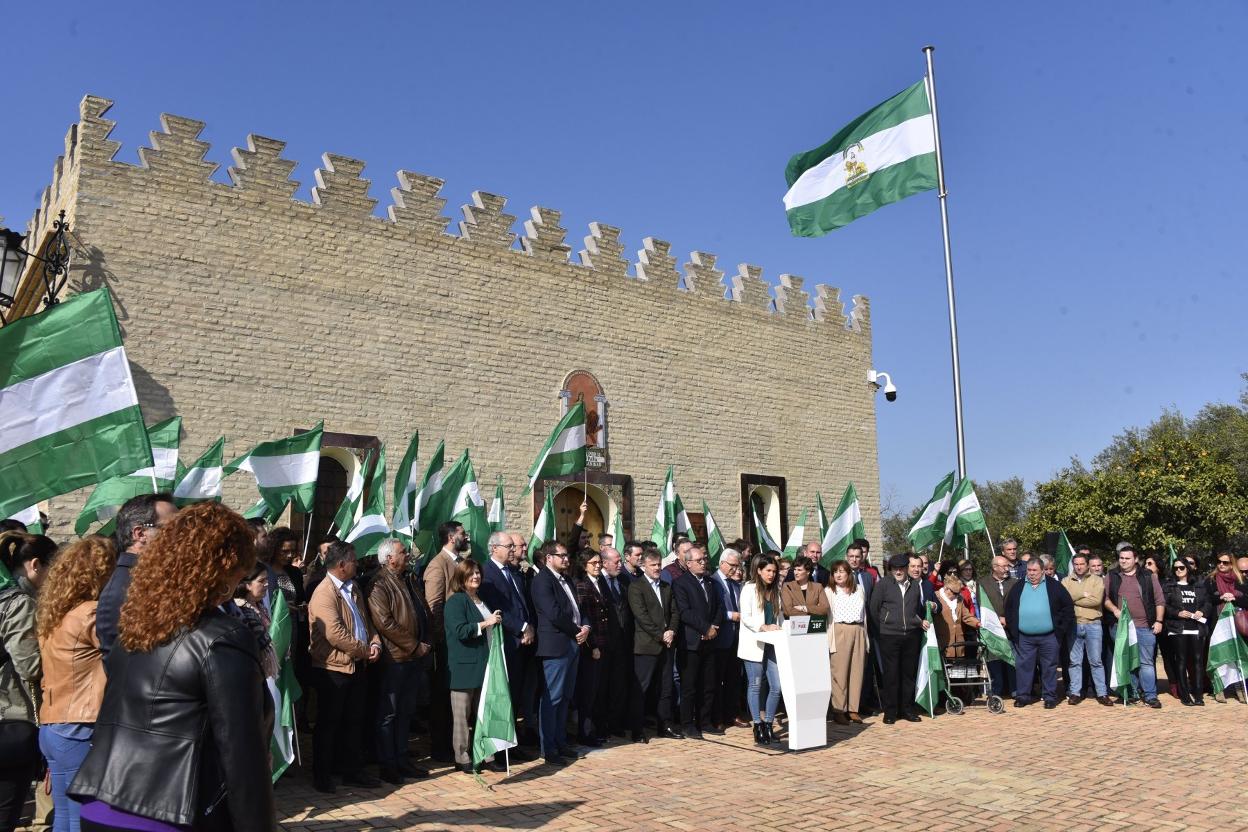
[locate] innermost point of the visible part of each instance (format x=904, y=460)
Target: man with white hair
x=728, y=668
x=502, y=590
x=612, y=705
x=402, y=622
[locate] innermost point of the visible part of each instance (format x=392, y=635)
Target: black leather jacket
x=183, y=732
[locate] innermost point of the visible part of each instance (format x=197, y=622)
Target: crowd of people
x=135, y=671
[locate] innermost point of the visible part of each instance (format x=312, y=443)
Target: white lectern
x=805, y=681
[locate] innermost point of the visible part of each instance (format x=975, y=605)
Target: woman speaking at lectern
x=761, y=612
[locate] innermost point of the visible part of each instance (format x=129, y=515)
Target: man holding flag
x=1137, y=593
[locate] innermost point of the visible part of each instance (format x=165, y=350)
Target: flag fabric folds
x=1126, y=655
x=714, y=537
x=108, y=496
x=965, y=515
x=69, y=413
x=349, y=508
x=406, y=485
x=617, y=532
x=495, y=729
x=929, y=681
x=929, y=528
x=498, y=509
x=425, y=504
x=992, y=631
x=284, y=688
x=884, y=155
x=822, y=517
x=795, y=537
x=665, y=516
x=31, y=519
x=762, y=536
x=1228, y=654
x=564, y=451
x=285, y=469
x=846, y=527
x=1064, y=554
x=202, y=481
x=683, y=526
x=368, y=532
x=544, y=528
x=465, y=505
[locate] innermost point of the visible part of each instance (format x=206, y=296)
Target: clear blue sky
x=1097, y=159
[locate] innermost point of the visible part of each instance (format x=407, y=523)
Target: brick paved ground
x=1023, y=770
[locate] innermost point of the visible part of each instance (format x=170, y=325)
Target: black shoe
x=1153, y=703
x=555, y=760
x=640, y=736
x=769, y=733
x=890, y=720
x=362, y=779
x=619, y=734
x=521, y=756
x=1105, y=700
x=497, y=765
x=570, y=752
x=1073, y=700
x=758, y=733
x=589, y=742
x=324, y=786
x=1186, y=702
x=912, y=718
x=1050, y=704
x=413, y=771
x=670, y=733
x=1020, y=702
x=466, y=768
x=715, y=729
x=391, y=775
x=692, y=732
x=1199, y=700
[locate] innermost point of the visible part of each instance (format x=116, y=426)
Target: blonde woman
x=848, y=628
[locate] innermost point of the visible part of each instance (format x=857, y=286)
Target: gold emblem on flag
x=855, y=168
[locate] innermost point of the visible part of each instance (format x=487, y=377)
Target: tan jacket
x=438, y=588
x=332, y=628
x=951, y=625
x=395, y=618
x=73, y=669
x=813, y=599
x=1088, y=595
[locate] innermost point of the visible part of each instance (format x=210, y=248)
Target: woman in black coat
x=1189, y=611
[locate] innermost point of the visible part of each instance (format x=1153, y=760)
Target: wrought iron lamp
x=54, y=260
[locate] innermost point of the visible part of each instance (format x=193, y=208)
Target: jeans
x=1145, y=678
x=401, y=686
x=1004, y=679
x=1087, y=642
x=64, y=756
x=560, y=673
x=754, y=674
x=1027, y=651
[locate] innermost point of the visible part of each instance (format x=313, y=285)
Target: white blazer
x=752, y=620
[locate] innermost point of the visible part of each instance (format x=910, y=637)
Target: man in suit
x=502, y=590
x=560, y=634
x=655, y=624
x=611, y=709
x=701, y=616
x=437, y=580
x=997, y=587
x=728, y=677
x=527, y=683
x=814, y=551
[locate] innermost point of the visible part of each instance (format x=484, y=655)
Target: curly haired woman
x=182, y=736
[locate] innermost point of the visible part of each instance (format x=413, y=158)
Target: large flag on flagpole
x=368, y=532
x=425, y=503
x=822, y=516
x=202, y=481
x=846, y=527
x=1228, y=655
x=714, y=537
x=467, y=506
x=285, y=469
x=495, y=729
x=930, y=680
x=1126, y=655
x=765, y=541
x=929, y=529
x=884, y=155
x=665, y=516
x=498, y=509
x=795, y=537
x=544, y=528
x=69, y=413
x=564, y=451
x=1064, y=554
x=406, y=485
x=965, y=515
x=617, y=532
x=992, y=631
x=683, y=526
x=284, y=688
x=349, y=508
x=109, y=495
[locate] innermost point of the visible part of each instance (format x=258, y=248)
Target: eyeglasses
x=504, y=545
x=1178, y=567
x=1224, y=563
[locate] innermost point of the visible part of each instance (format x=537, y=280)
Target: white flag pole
x=944, y=225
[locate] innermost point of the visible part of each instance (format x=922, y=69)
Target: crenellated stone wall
x=251, y=314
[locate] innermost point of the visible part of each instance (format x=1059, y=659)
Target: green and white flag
x=714, y=537
x=992, y=631
x=1228, y=655
x=683, y=526
x=929, y=681
x=31, y=519
x=846, y=527
x=822, y=516
x=1126, y=655
x=285, y=469
x=349, y=508
x=202, y=481
x=69, y=414
x=466, y=505
x=564, y=451
x=929, y=529
x=368, y=532
x=762, y=536
x=618, y=541
x=262, y=510
x=965, y=515
x=544, y=528
x=495, y=728
x=108, y=496
x=427, y=503
x=498, y=511
x=284, y=689
x=406, y=484
x=665, y=516
x=884, y=155
x=1064, y=554
x=795, y=537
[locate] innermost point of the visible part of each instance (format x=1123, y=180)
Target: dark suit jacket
x=557, y=619
x=650, y=618
x=500, y=594
x=698, y=612
x=867, y=580
x=619, y=616
x=730, y=598
x=594, y=607
x=1061, y=610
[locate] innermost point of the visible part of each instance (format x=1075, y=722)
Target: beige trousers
x=849, y=663
x=463, y=710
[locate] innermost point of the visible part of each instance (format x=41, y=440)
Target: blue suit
x=501, y=590
x=558, y=623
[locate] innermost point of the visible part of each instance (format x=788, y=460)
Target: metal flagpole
x=944, y=225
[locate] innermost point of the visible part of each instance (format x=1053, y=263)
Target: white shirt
x=847, y=607
x=485, y=613
x=567, y=588
x=344, y=589
x=658, y=592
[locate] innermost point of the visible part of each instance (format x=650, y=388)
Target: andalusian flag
x=544, y=528
x=368, y=532
x=795, y=537
x=683, y=526
x=930, y=681
x=263, y=511
x=495, y=728
x=762, y=536
x=1228, y=655
x=992, y=632
x=465, y=505
x=618, y=540
x=665, y=517
x=69, y=414
x=108, y=496
x=284, y=689
x=498, y=510
x=349, y=508
x=965, y=515
x=406, y=484
x=31, y=519
x=426, y=503
x=1064, y=554
x=884, y=155
x=822, y=516
x=564, y=451
x=714, y=537
x=285, y=469
x=929, y=529
x=202, y=481
x=1126, y=655
x=845, y=529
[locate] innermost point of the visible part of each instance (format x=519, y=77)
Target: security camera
x=890, y=389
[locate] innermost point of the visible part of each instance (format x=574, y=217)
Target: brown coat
x=73, y=669
x=332, y=628
x=438, y=574
x=813, y=599
x=951, y=625
x=390, y=605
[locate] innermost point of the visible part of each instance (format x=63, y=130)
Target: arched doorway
x=568, y=507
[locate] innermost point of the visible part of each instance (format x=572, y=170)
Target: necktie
x=705, y=595
x=615, y=591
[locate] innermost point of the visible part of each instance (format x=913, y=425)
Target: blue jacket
x=730, y=599
x=557, y=618
x=108, y=610
x=504, y=596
